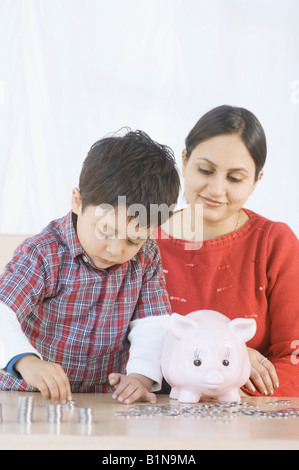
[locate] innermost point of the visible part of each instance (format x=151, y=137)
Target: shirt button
x=85, y=259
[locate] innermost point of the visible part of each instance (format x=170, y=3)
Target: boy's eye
x=102, y=235
x=130, y=242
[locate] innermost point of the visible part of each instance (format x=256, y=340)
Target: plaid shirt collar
x=69, y=235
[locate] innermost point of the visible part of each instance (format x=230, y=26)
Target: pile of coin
x=54, y=414
x=69, y=405
x=85, y=415
x=25, y=410
x=279, y=414
x=220, y=412
x=217, y=411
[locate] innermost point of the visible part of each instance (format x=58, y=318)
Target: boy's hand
x=49, y=378
x=132, y=387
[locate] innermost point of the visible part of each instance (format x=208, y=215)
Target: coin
x=25, y=410
x=55, y=414
x=85, y=415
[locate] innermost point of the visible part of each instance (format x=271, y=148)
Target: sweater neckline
x=225, y=239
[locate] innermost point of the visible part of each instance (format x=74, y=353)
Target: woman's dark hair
x=231, y=120
x=131, y=166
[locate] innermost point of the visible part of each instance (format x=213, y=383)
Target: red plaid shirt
x=75, y=314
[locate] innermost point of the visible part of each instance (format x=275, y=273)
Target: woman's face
x=220, y=174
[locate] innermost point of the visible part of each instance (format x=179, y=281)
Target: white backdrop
x=72, y=71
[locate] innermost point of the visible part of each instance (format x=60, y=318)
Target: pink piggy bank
x=205, y=353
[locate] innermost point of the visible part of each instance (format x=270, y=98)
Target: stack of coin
x=25, y=410
x=85, y=415
x=54, y=414
x=69, y=405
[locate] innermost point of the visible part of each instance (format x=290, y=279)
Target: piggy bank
x=205, y=354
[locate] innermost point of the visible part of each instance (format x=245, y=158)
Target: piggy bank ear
x=180, y=325
x=244, y=328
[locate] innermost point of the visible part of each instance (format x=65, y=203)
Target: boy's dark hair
x=132, y=166
x=231, y=120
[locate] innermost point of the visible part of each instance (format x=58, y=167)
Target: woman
x=246, y=266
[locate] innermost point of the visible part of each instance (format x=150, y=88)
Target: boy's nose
x=114, y=248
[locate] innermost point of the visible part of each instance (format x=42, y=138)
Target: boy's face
x=107, y=237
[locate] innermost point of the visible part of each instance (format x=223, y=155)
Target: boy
x=71, y=295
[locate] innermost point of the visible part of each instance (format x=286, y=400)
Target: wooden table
x=110, y=432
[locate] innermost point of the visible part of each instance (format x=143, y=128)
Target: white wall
x=73, y=70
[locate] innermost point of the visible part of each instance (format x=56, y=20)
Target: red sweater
x=252, y=273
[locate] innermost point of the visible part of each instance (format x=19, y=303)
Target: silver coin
x=25, y=410
x=85, y=415
x=55, y=414
x=222, y=412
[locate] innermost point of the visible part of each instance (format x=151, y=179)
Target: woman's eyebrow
x=216, y=166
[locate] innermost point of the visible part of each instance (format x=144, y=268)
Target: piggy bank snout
x=214, y=378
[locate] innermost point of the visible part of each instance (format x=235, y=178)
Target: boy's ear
x=76, y=201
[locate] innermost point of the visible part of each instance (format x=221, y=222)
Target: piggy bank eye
x=225, y=362
x=197, y=362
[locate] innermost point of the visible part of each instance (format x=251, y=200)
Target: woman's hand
x=263, y=377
